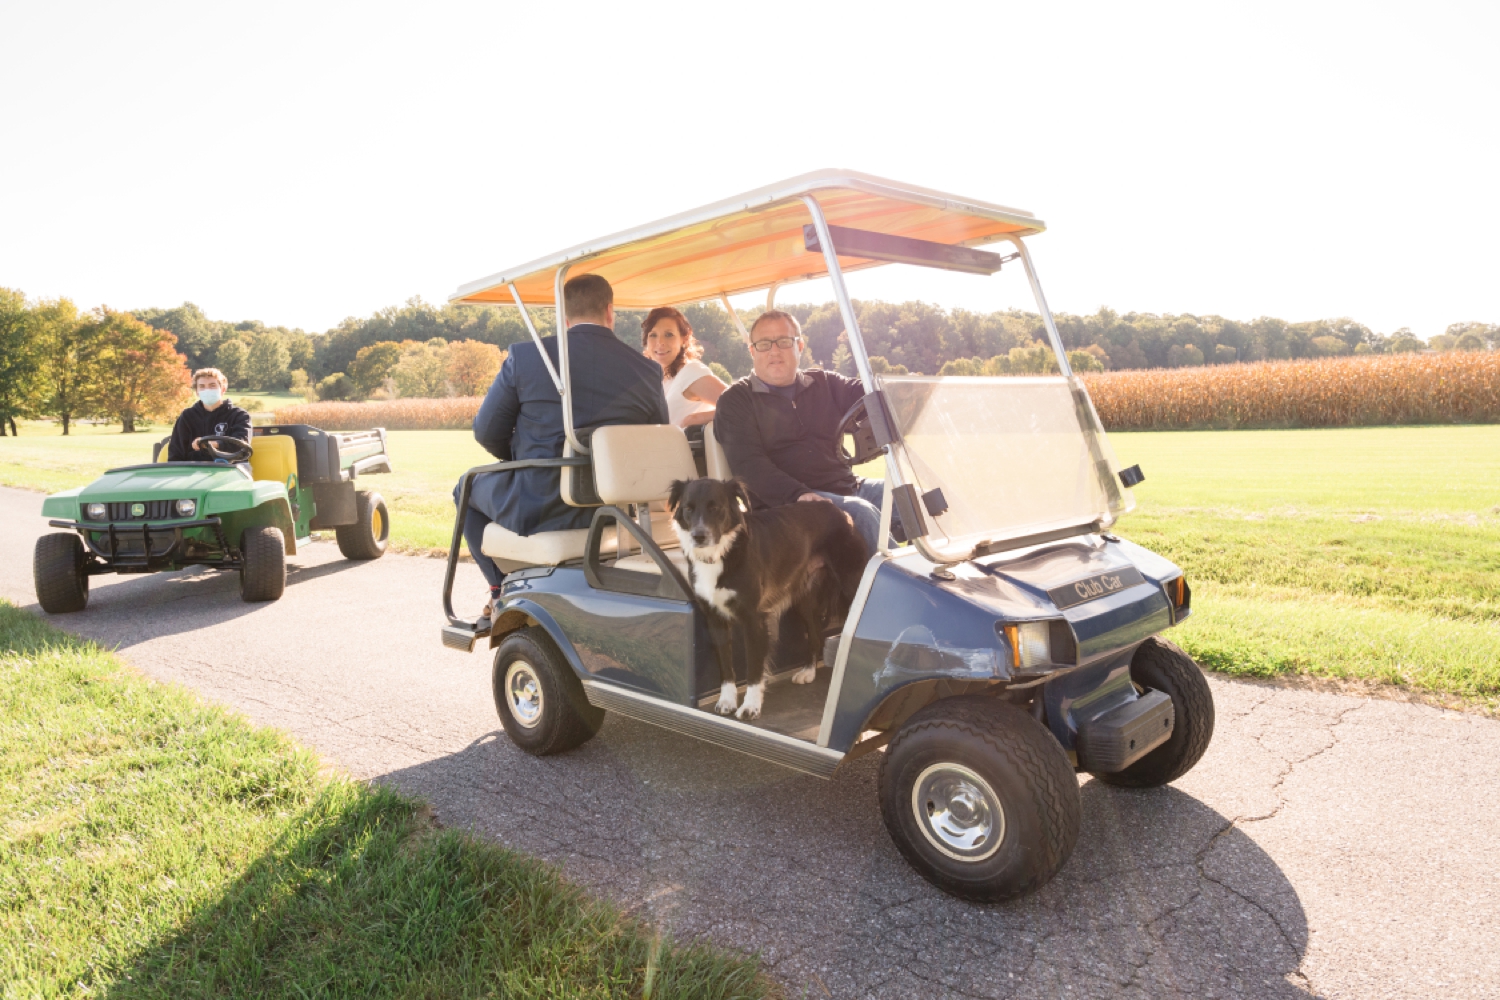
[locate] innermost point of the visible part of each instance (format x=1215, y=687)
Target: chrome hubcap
x=958, y=812
x=524, y=694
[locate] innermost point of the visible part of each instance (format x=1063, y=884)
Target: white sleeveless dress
x=679, y=407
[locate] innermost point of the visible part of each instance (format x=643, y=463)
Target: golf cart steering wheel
x=235, y=450
x=856, y=424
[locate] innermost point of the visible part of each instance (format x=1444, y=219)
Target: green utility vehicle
x=247, y=511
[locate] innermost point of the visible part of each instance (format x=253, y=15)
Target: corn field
x=454, y=413
x=1451, y=387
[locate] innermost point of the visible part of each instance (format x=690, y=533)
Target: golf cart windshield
x=1013, y=457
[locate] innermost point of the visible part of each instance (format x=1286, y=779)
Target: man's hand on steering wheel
x=233, y=450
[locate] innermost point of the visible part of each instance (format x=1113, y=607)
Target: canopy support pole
x=734, y=318
x=536, y=338
x=1041, y=304
x=771, y=295
x=846, y=307
x=562, y=357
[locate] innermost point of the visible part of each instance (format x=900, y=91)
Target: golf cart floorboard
x=794, y=710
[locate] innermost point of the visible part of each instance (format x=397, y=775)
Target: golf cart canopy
x=974, y=466
x=755, y=241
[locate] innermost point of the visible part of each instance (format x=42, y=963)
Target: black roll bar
x=466, y=484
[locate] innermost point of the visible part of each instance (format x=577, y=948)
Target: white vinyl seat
x=633, y=464
x=714, y=458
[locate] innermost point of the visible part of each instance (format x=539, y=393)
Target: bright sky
x=299, y=163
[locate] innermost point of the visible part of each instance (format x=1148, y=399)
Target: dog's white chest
x=706, y=585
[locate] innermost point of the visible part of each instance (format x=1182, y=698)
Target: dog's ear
x=741, y=494
x=674, y=494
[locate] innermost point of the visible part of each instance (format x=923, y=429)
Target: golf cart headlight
x=187, y=507
x=96, y=511
x=1030, y=644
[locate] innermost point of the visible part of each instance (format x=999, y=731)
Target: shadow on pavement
x=127, y=609
x=1162, y=896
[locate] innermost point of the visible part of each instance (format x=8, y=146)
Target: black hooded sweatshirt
x=198, y=421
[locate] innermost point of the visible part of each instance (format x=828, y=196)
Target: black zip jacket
x=783, y=448
x=198, y=421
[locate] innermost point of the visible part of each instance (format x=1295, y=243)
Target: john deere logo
x=137, y=510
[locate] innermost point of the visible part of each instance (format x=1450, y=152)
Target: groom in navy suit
x=521, y=417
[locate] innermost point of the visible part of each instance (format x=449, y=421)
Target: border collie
x=750, y=566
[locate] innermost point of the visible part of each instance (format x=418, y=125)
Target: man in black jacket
x=780, y=429
x=212, y=415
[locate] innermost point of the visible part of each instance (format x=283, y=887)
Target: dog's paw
x=728, y=699
x=751, y=708
x=805, y=676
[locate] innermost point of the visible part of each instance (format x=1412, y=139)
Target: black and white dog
x=750, y=566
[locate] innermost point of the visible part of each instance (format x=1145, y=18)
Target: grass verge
x=155, y=846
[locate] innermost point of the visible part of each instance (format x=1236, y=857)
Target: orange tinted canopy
x=755, y=240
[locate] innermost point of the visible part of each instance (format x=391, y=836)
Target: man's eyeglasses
x=785, y=343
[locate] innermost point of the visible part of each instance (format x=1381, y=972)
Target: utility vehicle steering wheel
x=235, y=450
x=856, y=424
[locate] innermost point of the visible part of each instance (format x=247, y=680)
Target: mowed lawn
x=1362, y=553
x=155, y=846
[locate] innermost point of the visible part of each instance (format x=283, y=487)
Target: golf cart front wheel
x=263, y=571
x=540, y=700
x=59, y=568
x=1159, y=665
x=366, y=538
x=980, y=799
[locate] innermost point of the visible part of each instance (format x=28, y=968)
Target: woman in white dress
x=691, y=388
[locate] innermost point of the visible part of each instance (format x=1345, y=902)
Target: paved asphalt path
x=1325, y=846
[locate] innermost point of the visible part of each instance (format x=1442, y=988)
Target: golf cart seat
x=632, y=464
x=713, y=454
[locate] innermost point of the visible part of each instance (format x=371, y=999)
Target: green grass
x=155, y=846
x=256, y=401
x=1360, y=553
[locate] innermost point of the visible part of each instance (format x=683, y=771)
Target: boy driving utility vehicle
x=213, y=415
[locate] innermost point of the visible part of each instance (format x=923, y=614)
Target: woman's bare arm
x=707, y=389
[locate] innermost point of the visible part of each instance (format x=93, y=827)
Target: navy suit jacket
x=521, y=417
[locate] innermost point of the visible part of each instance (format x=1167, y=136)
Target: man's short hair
x=214, y=373
x=586, y=297
x=785, y=317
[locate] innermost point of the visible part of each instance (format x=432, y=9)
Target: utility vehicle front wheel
x=539, y=698
x=1161, y=666
x=980, y=799
x=366, y=538
x=59, y=569
x=263, y=574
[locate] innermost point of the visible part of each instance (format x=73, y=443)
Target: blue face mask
x=210, y=397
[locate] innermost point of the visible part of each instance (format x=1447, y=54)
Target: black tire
x=1161, y=666
x=263, y=575
x=560, y=716
x=1027, y=775
x=59, y=569
x=367, y=537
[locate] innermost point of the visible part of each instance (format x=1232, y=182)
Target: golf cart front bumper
x=144, y=547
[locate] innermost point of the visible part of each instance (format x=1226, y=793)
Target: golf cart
x=247, y=510
x=1009, y=642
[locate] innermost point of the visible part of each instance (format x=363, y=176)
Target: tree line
x=60, y=362
x=56, y=361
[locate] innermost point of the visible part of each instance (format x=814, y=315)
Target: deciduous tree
x=268, y=365
x=69, y=346
x=472, y=366
x=139, y=374
x=372, y=366
x=20, y=361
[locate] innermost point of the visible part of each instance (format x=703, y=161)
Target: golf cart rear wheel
x=1161, y=666
x=540, y=700
x=980, y=799
x=263, y=575
x=59, y=568
x=366, y=538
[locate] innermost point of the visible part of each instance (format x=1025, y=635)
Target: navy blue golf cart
x=1009, y=642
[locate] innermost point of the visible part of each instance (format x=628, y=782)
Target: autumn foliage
x=1451, y=387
